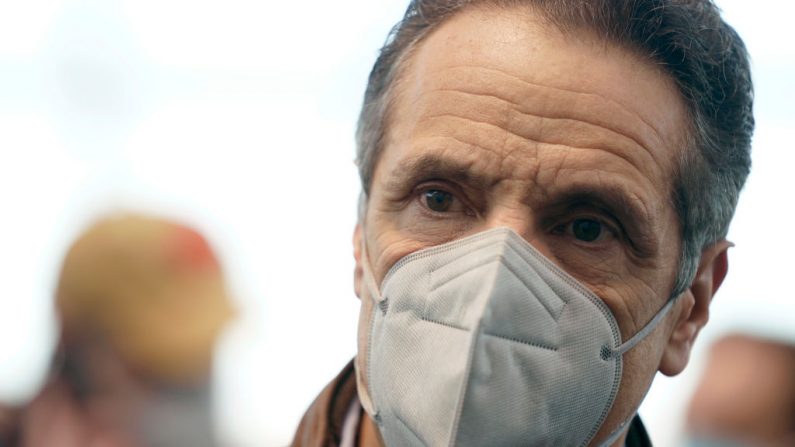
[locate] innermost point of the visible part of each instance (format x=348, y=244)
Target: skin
x=520, y=126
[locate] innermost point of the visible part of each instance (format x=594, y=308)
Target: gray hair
x=687, y=38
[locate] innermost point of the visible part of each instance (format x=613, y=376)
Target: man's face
x=500, y=121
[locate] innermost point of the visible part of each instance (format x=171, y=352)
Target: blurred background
x=236, y=119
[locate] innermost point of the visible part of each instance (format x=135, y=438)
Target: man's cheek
x=392, y=246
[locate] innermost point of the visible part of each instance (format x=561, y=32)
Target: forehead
x=532, y=86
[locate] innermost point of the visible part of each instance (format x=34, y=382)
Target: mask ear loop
x=617, y=433
x=374, y=293
x=608, y=353
x=369, y=280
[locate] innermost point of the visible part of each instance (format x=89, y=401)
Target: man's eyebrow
x=413, y=170
x=615, y=199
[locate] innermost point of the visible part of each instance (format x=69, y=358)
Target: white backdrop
x=238, y=117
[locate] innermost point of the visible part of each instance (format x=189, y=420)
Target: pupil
x=587, y=230
x=438, y=200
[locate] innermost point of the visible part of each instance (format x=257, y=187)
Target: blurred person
x=9, y=425
x=141, y=302
x=547, y=189
x=746, y=396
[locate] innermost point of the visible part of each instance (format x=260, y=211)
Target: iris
x=439, y=201
x=587, y=230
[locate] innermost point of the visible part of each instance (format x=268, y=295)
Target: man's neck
x=368, y=433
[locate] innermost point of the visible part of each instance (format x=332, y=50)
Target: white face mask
x=484, y=341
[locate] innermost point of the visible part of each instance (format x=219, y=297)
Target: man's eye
x=587, y=230
x=438, y=201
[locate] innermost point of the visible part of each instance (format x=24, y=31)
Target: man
x=547, y=187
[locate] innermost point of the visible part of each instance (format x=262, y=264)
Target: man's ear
x=357, y=256
x=694, y=307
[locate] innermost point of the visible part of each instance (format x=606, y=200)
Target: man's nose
x=523, y=220
x=518, y=217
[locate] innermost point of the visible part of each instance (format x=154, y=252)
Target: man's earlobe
x=357, y=256
x=693, y=307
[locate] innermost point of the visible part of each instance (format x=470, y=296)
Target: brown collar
x=321, y=426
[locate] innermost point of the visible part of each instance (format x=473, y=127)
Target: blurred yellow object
x=149, y=288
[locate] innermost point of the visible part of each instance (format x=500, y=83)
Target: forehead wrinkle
x=530, y=150
x=436, y=164
x=487, y=146
x=507, y=134
x=515, y=117
x=464, y=74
